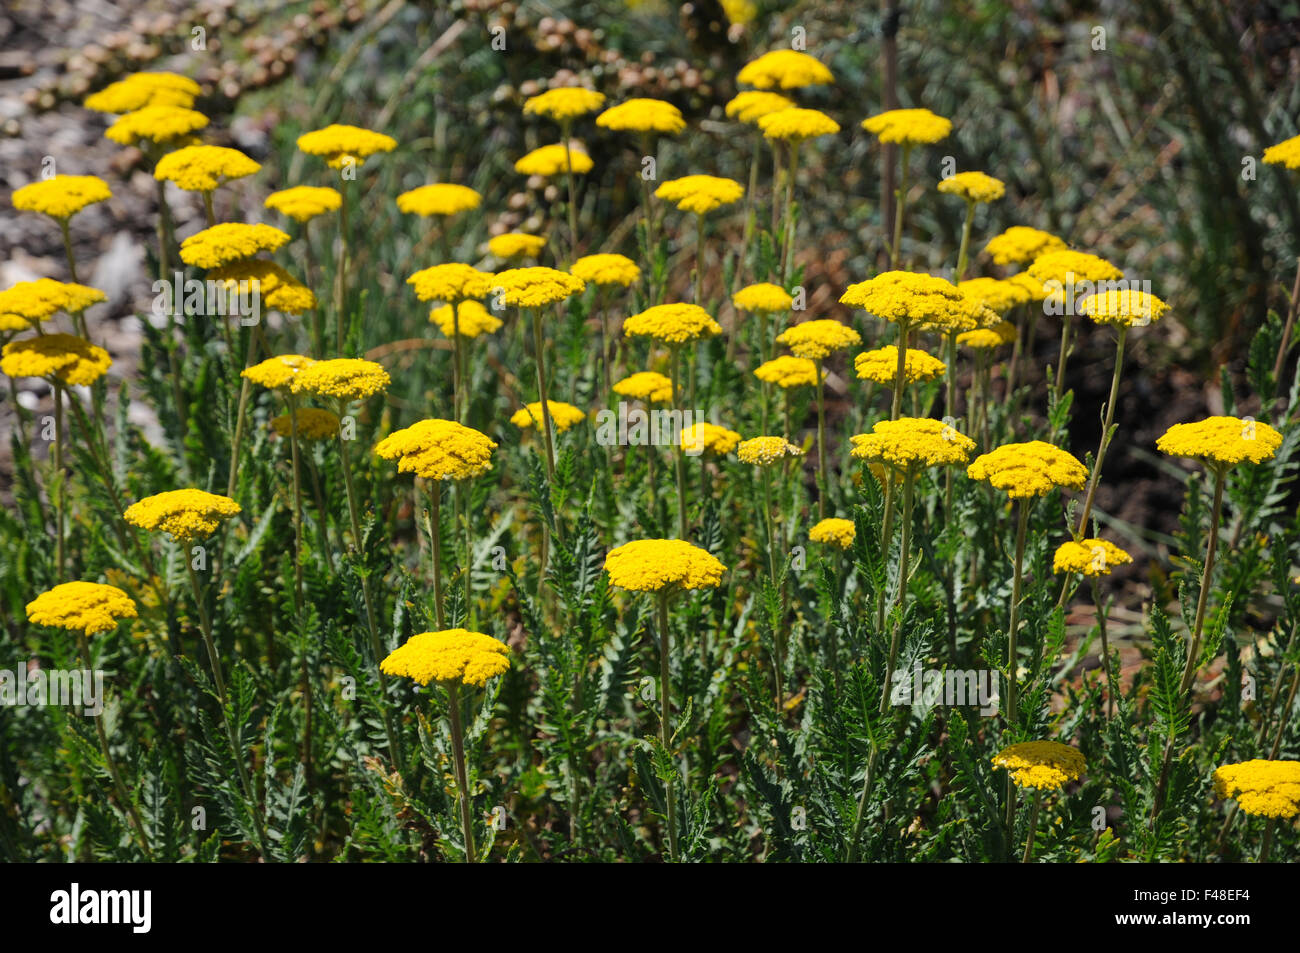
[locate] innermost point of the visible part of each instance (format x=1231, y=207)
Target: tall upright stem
x=678, y=450
x=59, y=495
x=787, y=241
x=900, y=202
x=435, y=547
x=573, y=202
x=462, y=775
x=539, y=346
x=297, y=501
x=822, y=469
x=963, y=252
x=1013, y=702
x=900, y=600
x=665, y=709
x=1095, y=477
x=1033, y=827
x=341, y=278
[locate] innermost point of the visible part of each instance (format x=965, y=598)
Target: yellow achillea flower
x=606, y=270
x=649, y=386
x=1091, y=557
x=881, y=365
x=516, y=245
x=997, y=294
x=643, y=115
x=157, y=124
x=452, y=281
x=912, y=442
x=139, y=90
x=765, y=451
x=909, y=127
x=796, y=125
x=786, y=372
x=302, y=203
x=672, y=324
x=973, y=187
x=279, y=290
x=438, y=450
x=833, y=531
x=230, y=242
x=13, y=322
x=185, y=515
x=818, y=339
x=277, y=373
x=343, y=378
x=1284, y=153
x=535, y=287
x=451, y=655
x=917, y=300
x=1020, y=244
x=203, y=168
x=1028, y=469
x=700, y=193
x=1036, y=290
x=1045, y=765
x=554, y=160
x=314, y=423
x=337, y=143
x=564, y=102
x=1261, y=787
x=471, y=317
x=752, y=105
x=43, y=298
x=87, y=607
x=1065, y=265
x=784, y=69
x=62, y=196
x=763, y=297
x=984, y=339
x=705, y=437
x=1123, y=307
x=563, y=416
x=440, y=198
x=70, y=359
x=1222, y=441
x=650, y=565
x=740, y=11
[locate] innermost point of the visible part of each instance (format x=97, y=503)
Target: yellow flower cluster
x=1285, y=153
x=765, y=451
x=763, y=297
x=279, y=290
x=314, y=423
x=786, y=372
x=338, y=143
x=565, y=102
x=672, y=324
x=1065, y=265
x=471, y=318
x=997, y=294
x=1028, y=469
x=784, y=69
x=229, y=242
x=1036, y=290
x=796, y=125
x=440, y=198
x=302, y=203
x=912, y=442
x=1123, y=307
x=1261, y=787
x=1221, y=440
x=88, y=607
x=643, y=115
x=700, y=193
x=1044, y=765
x=833, y=531
x=139, y=90
x=156, y=124
x=451, y=655
x=535, y=287
x=203, y=168
x=563, y=416
x=62, y=196
x=70, y=359
x=752, y=105
x=343, y=378
x=649, y=565
x=985, y=339
x=606, y=270
x=438, y=450
x=649, y=386
x=908, y=127
x=452, y=281
x=705, y=437
x=1020, y=244
x=516, y=245
x=554, y=160
x=973, y=187
x=917, y=300
x=277, y=373
x=41, y=299
x=818, y=339
x=185, y=515
x=881, y=365
x=1091, y=557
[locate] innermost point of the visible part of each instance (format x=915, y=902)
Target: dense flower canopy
x=763, y=297
x=1091, y=557
x=302, y=203
x=229, y=242
x=563, y=416
x=784, y=69
x=279, y=290
x=63, y=357
x=87, y=607
x=752, y=105
x=1286, y=153
x=606, y=269
x=917, y=300
x=651, y=565
x=643, y=115
x=440, y=198
x=796, y=125
x=881, y=365
x=138, y=90
x=554, y=160
x=908, y=127
x=185, y=515
x=700, y=193
x=765, y=451
x=43, y=298
x=342, y=378
x=203, y=168
x=672, y=324
x=1123, y=307
x=834, y=531
x=516, y=245
x=1221, y=441
x=912, y=442
x=704, y=437
x=314, y=423
x=973, y=186
x=451, y=655
x=452, y=281
x=535, y=287
x=438, y=450
x=470, y=320
x=786, y=372
x=818, y=339
x=1044, y=765
x=648, y=386
x=338, y=144
x=157, y=124
x=1261, y=787
x=1064, y=266
x=999, y=295
x=277, y=373
x=62, y=196
x=1020, y=244
x=1024, y=470
x=564, y=103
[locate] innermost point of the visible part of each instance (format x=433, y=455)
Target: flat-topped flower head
x=1021, y=244
x=277, y=373
x=439, y=450
x=881, y=365
x=1286, y=153
x=343, y=378
x=43, y=298
x=917, y=300
x=452, y=281
x=564, y=103
x=999, y=295
x=643, y=115
x=652, y=565
x=672, y=324
x=86, y=607
x=763, y=297
x=787, y=372
x=833, y=531
x=912, y=442
x=705, y=437
x=555, y=160
x=230, y=242
x=157, y=124
x=185, y=515
x=1123, y=307
x=752, y=105
x=606, y=269
x=1036, y=290
x=1221, y=441
x=62, y=196
x=440, y=198
x=1261, y=787
x=452, y=656
x=314, y=423
x=818, y=339
x=516, y=245
x=302, y=203
x=65, y=358
x=796, y=125
x=649, y=386
x=985, y=339
x=1091, y=557
x=766, y=451
x=1064, y=265
x=563, y=416
x=784, y=69
x=338, y=144
x=139, y=90
x=203, y=168
x=1023, y=470
x=279, y=290
x=535, y=287
x=701, y=193
x=471, y=319
x=1043, y=765
x=973, y=187
x=908, y=127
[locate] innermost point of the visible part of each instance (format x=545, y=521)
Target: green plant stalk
x=1095, y=477
x=963, y=253
x=861, y=814
x=900, y=203
x=573, y=202
x=665, y=709
x=321, y=512
x=297, y=502
x=1013, y=702
x=1033, y=827
x=1060, y=361
x=539, y=345
x=460, y=394
x=59, y=495
x=462, y=776
x=742, y=266
x=1266, y=843
x=823, y=469
x=462, y=504
x=341, y=278
x=900, y=374
x=697, y=288
x=679, y=451
x=900, y=600
x=1105, y=646
x=207, y=208
x=237, y=440
x=435, y=548
x=788, y=229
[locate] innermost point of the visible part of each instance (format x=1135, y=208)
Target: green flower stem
x=900, y=600
x=776, y=195
x=665, y=708
x=341, y=277
x=886, y=538
x=787, y=241
x=207, y=208
x=823, y=470
x=237, y=440
x=297, y=502
x=435, y=548
x=1013, y=703
x=1066, y=321
x=459, y=393
x=900, y=204
x=462, y=504
x=963, y=253
x=322, y=512
x=861, y=814
x=59, y=496
x=462, y=776
x=1266, y=844
x=697, y=287
x=1033, y=827
x=573, y=202
x=1095, y=477
x=539, y=345
x=1105, y=646
x=742, y=266
x=900, y=374
x=679, y=451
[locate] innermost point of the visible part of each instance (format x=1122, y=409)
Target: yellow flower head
x=1123, y=307
x=452, y=281
x=516, y=245
x=563, y=416
x=832, y=531
x=438, y=450
x=88, y=607
x=564, y=103
x=650, y=565
x=535, y=287
x=314, y=423
x=302, y=203
x=917, y=300
x=1044, y=765
x=1036, y=290
x=185, y=515
x=796, y=125
x=1028, y=469
x=554, y=160
x=909, y=127
x=229, y=242
x=343, y=378
x=818, y=339
x=705, y=437
x=1222, y=441
x=452, y=655
x=912, y=442
x=648, y=386
x=1284, y=153
x=339, y=143
x=41, y=299
x=10, y=323
x=763, y=297
x=606, y=270
x=139, y=90
x=752, y=105
x=784, y=69
x=672, y=324
x=765, y=451
x=440, y=198
x=1261, y=787
x=881, y=365
x=643, y=115
x=62, y=196
x=203, y=168
x=277, y=373
x=787, y=372
x=973, y=187
x=279, y=290
x=471, y=318
x=1020, y=244
x=1091, y=557
x=65, y=357
x=997, y=294
x=1065, y=266
x=984, y=339
x=700, y=193
x=156, y=124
